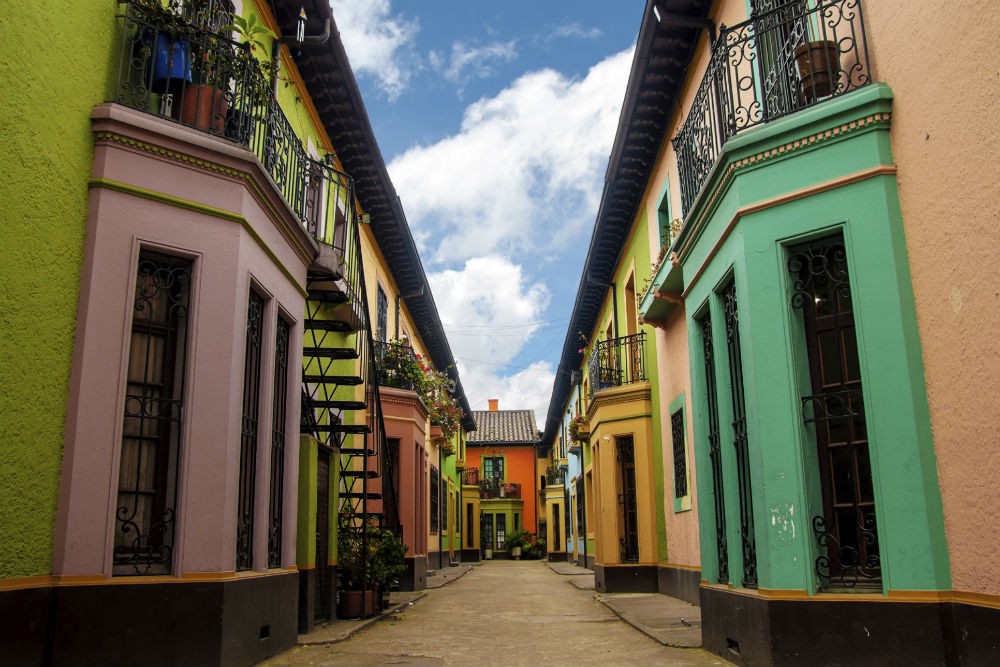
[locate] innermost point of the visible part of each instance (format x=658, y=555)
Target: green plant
x=534, y=546
x=366, y=556
x=390, y=555
x=516, y=539
x=578, y=425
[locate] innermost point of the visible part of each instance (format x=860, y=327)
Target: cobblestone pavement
x=510, y=613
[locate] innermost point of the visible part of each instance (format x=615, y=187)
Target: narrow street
x=509, y=613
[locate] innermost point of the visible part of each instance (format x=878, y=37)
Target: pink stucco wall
x=946, y=144
x=253, y=239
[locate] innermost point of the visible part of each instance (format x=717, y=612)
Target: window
x=556, y=530
x=834, y=411
x=704, y=324
x=629, y=507
x=493, y=467
x=680, y=460
x=151, y=431
x=382, y=315
x=248, y=432
x=435, y=496
x=279, y=418
x=740, y=441
x=501, y=531
x=580, y=527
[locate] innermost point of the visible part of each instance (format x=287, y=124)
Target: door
x=323, y=603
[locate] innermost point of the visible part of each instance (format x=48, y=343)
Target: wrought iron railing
x=183, y=66
x=790, y=57
x=398, y=365
x=554, y=475
x=617, y=362
x=470, y=476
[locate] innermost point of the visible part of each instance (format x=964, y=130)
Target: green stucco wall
x=55, y=65
x=782, y=453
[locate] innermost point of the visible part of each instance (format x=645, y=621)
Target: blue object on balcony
x=170, y=61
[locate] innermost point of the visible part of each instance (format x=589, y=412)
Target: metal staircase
x=341, y=406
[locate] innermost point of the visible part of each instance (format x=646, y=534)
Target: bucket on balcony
x=818, y=64
x=170, y=62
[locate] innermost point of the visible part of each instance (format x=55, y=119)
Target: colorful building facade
x=210, y=289
x=500, y=490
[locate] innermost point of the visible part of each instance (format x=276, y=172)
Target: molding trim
x=203, y=209
x=872, y=121
x=764, y=204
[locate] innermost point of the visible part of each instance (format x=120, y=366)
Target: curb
x=607, y=603
x=364, y=624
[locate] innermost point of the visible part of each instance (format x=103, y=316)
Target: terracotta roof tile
x=504, y=426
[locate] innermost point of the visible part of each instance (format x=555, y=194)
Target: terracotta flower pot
x=356, y=604
x=204, y=107
x=818, y=64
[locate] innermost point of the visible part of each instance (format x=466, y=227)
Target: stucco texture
x=54, y=67
x=945, y=143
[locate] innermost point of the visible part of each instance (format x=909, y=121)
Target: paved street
x=509, y=613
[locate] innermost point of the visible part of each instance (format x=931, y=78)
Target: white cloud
x=490, y=313
x=525, y=172
x=487, y=310
x=529, y=389
x=378, y=44
x=570, y=30
x=468, y=62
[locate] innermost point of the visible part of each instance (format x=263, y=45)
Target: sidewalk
x=670, y=621
x=342, y=629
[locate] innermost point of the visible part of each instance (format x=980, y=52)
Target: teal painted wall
x=55, y=65
x=782, y=453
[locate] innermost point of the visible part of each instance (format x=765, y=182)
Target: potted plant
x=356, y=566
x=203, y=102
x=579, y=428
x=252, y=33
x=515, y=542
x=818, y=64
x=390, y=564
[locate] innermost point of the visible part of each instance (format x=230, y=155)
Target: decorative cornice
x=840, y=181
x=204, y=209
x=872, y=121
x=304, y=249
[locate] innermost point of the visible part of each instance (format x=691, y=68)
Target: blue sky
x=496, y=122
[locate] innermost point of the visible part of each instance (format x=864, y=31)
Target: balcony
x=398, y=366
x=777, y=63
x=617, y=362
x=470, y=476
x=179, y=63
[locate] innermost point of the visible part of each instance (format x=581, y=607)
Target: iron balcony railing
x=179, y=62
x=617, y=362
x=792, y=56
x=398, y=365
x=494, y=487
x=470, y=476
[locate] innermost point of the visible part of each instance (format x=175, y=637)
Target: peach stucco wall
x=946, y=143
x=683, y=543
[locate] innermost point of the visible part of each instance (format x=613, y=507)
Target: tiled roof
x=504, y=426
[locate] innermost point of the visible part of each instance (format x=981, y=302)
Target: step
x=328, y=296
x=338, y=326
x=338, y=405
x=361, y=495
x=330, y=352
x=357, y=429
x=346, y=380
x=355, y=451
x=371, y=474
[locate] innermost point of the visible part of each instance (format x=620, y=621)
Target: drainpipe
x=298, y=39
x=400, y=297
